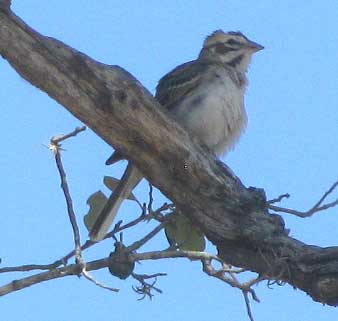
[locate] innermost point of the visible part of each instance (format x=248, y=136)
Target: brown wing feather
x=179, y=83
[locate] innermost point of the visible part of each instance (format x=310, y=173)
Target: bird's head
x=229, y=48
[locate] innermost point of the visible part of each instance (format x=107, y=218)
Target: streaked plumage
x=206, y=96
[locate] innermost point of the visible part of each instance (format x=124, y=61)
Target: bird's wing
x=172, y=87
x=179, y=83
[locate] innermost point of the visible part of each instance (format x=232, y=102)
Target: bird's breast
x=214, y=113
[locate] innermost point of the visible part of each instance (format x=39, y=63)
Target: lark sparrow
x=206, y=96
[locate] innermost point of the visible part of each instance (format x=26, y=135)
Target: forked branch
x=318, y=207
x=110, y=101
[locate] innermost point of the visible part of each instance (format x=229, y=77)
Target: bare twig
x=146, y=288
x=145, y=239
x=279, y=198
x=55, y=147
x=118, y=228
x=31, y=267
x=232, y=281
x=72, y=269
x=142, y=217
x=58, y=139
x=151, y=199
x=326, y=194
x=248, y=307
x=316, y=208
x=219, y=274
x=156, y=255
x=147, y=276
x=91, y=279
x=86, y=245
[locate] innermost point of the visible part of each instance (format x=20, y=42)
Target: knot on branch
x=258, y=197
x=5, y=4
x=326, y=289
x=121, y=265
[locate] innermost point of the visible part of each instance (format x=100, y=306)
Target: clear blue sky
x=290, y=145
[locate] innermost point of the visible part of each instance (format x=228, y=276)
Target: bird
x=206, y=97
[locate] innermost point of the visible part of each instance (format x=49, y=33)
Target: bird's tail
x=129, y=180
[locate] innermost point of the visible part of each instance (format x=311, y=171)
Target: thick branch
x=113, y=104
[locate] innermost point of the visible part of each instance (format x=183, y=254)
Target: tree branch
x=123, y=113
x=55, y=147
x=318, y=207
x=146, y=288
x=73, y=269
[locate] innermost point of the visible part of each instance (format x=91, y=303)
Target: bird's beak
x=254, y=46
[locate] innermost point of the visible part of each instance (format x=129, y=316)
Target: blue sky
x=290, y=145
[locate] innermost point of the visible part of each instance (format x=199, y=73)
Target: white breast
x=214, y=112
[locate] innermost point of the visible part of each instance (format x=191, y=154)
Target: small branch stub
x=120, y=264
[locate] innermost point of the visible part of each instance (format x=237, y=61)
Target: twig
x=91, y=279
x=60, y=138
x=151, y=199
x=145, y=288
x=316, y=208
x=55, y=147
x=142, y=217
x=86, y=245
x=248, y=307
x=145, y=239
x=72, y=269
x=31, y=267
x=147, y=276
x=279, y=198
x=232, y=281
x=219, y=274
x=326, y=194
x=118, y=228
x=156, y=255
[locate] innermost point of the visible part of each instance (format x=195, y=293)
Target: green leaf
x=182, y=233
x=112, y=183
x=96, y=203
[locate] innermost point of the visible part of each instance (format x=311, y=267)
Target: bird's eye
x=232, y=42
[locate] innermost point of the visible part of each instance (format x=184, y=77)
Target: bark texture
x=123, y=113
